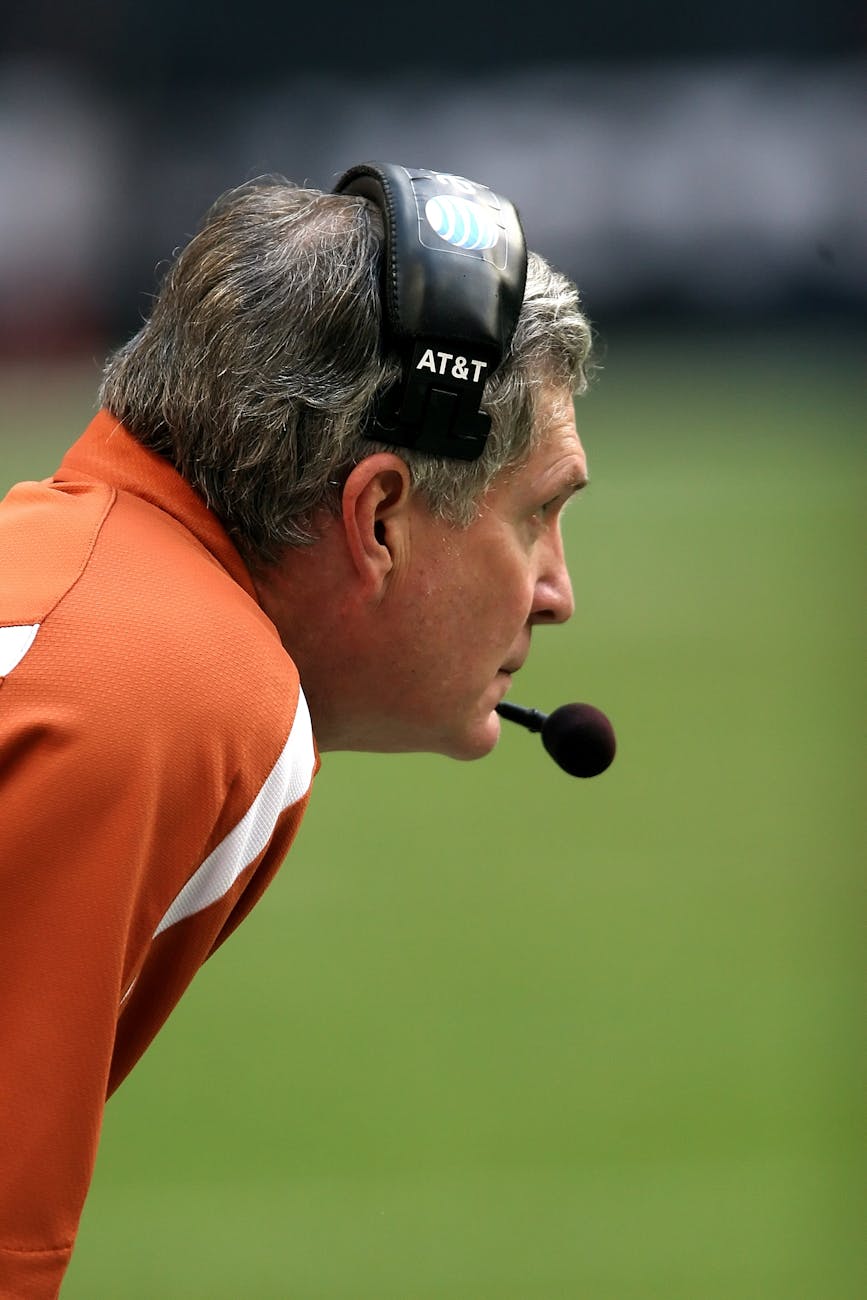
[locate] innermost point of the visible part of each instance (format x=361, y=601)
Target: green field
x=497, y=1034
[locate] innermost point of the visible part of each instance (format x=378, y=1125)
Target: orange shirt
x=156, y=756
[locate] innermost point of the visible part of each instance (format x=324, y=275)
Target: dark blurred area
x=680, y=163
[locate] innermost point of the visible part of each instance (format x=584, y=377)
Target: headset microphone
x=578, y=737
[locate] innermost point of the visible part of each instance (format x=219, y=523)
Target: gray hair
x=261, y=360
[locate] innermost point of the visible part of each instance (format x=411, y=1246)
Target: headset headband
x=453, y=276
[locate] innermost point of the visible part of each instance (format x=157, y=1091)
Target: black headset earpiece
x=453, y=276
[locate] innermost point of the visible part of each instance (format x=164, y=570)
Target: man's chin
x=476, y=741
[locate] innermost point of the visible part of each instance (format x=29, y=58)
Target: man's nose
x=553, y=601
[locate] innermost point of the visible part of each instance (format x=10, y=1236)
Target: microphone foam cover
x=580, y=738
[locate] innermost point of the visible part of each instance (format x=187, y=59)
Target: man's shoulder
x=47, y=535
x=144, y=624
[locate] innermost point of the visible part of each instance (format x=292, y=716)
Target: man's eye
x=543, y=511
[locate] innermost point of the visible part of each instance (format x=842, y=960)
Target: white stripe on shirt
x=14, y=644
x=287, y=782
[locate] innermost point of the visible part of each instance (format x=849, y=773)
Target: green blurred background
x=497, y=1034
x=494, y=1033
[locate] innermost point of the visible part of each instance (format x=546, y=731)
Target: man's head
x=405, y=586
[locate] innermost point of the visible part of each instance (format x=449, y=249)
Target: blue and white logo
x=462, y=222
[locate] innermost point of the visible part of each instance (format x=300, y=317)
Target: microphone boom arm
x=532, y=719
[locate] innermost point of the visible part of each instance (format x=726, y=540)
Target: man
x=227, y=577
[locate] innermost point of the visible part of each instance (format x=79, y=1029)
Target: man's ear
x=375, y=516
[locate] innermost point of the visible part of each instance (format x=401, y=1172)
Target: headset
x=454, y=270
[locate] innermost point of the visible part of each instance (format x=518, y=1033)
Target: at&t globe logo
x=462, y=222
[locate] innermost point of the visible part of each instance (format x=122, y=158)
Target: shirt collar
x=109, y=453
